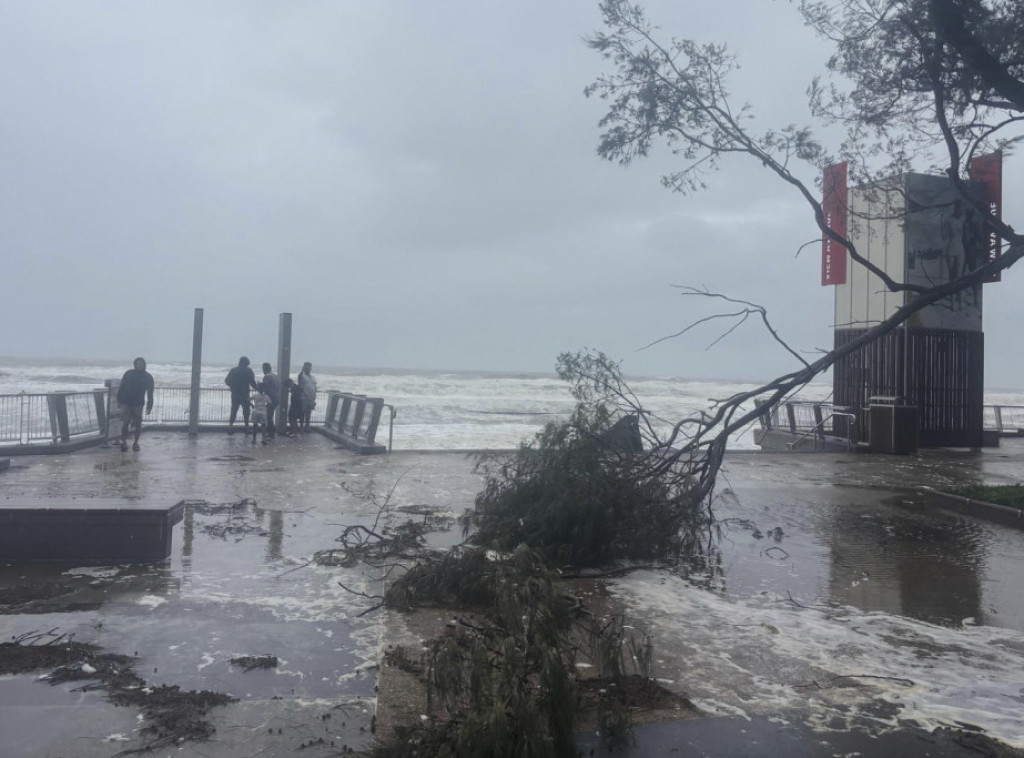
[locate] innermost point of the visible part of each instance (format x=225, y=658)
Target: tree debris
x=172, y=715
x=250, y=662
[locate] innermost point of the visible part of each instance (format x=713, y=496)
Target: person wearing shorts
x=260, y=403
x=240, y=379
x=134, y=392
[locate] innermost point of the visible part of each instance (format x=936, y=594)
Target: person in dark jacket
x=240, y=379
x=272, y=389
x=295, y=412
x=135, y=390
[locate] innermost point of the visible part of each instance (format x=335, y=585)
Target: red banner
x=833, y=206
x=987, y=170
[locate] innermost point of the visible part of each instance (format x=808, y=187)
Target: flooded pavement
x=842, y=605
x=842, y=602
x=238, y=583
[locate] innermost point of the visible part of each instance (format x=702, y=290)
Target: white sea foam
x=435, y=410
x=838, y=667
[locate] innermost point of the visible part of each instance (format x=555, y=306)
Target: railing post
x=791, y=414
x=99, y=399
x=357, y=421
x=344, y=417
x=332, y=408
x=197, y=362
x=999, y=417
x=22, y=439
x=391, y=425
x=376, y=405
x=284, y=360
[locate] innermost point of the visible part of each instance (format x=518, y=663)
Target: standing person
x=294, y=407
x=272, y=389
x=135, y=390
x=307, y=384
x=240, y=379
x=259, y=415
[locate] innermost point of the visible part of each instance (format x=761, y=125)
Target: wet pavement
x=236, y=584
x=841, y=608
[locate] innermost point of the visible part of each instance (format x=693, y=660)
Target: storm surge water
x=435, y=410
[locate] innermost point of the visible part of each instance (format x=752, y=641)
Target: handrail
x=50, y=417
x=821, y=425
x=391, y=423
x=1007, y=418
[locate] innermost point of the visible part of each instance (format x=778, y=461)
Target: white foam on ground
x=766, y=656
x=99, y=572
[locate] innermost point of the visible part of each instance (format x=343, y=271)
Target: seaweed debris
x=172, y=716
x=250, y=662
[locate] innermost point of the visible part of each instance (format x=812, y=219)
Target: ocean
x=435, y=410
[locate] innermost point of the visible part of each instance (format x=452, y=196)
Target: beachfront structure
x=918, y=229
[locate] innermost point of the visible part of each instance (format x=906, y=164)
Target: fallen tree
x=911, y=82
x=592, y=490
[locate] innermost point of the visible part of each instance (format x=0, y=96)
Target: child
x=294, y=407
x=259, y=415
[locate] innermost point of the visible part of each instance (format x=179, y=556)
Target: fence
x=354, y=420
x=800, y=416
x=171, y=406
x=60, y=417
x=1005, y=419
x=28, y=419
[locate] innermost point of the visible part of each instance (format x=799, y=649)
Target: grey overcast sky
x=415, y=181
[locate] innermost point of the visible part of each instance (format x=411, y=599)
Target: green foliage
x=461, y=577
x=504, y=680
x=585, y=492
x=580, y=498
x=1011, y=495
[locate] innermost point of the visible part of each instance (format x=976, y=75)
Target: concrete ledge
x=52, y=449
x=351, y=443
x=1001, y=514
x=89, y=529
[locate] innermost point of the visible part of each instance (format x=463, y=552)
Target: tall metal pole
x=197, y=361
x=284, y=361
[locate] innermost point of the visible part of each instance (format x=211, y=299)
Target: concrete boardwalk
x=232, y=587
x=237, y=584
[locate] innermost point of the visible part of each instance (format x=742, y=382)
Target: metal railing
x=171, y=406
x=55, y=417
x=818, y=431
x=798, y=416
x=1005, y=419
x=358, y=416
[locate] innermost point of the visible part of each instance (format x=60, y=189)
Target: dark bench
x=86, y=529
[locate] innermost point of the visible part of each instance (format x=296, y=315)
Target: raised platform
x=88, y=529
x=356, y=445
x=783, y=441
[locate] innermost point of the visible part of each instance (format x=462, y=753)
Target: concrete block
x=87, y=529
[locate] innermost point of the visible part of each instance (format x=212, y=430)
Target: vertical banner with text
x=833, y=206
x=987, y=170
